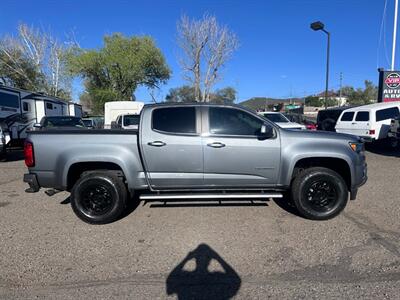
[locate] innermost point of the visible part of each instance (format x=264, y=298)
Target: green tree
x=181, y=94
x=187, y=94
x=313, y=101
x=361, y=96
x=225, y=95
x=115, y=71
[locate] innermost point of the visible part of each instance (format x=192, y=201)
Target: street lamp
x=320, y=26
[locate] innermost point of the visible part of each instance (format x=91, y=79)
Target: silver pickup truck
x=195, y=151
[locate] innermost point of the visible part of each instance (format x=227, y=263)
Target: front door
x=234, y=155
x=171, y=147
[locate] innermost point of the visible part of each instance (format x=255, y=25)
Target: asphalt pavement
x=244, y=250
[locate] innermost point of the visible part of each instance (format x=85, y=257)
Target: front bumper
x=360, y=179
x=31, y=179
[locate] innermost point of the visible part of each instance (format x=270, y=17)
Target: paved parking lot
x=246, y=250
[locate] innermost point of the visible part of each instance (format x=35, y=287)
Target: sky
x=279, y=55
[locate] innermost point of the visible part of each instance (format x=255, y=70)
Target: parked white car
x=372, y=121
x=280, y=120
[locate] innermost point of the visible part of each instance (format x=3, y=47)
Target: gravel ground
x=245, y=250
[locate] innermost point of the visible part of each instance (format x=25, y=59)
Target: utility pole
x=340, y=88
x=394, y=33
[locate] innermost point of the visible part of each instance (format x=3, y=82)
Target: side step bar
x=209, y=196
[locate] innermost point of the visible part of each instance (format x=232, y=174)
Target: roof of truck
x=375, y=106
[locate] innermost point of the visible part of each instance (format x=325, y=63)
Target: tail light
x=29, y=156
x=372, y=131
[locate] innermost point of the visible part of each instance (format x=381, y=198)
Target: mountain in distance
x=261, y=103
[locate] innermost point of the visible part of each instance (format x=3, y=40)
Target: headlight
x=357, y=147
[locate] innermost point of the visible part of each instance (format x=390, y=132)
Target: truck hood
x=319, y=134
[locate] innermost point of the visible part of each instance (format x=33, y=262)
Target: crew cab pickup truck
x=196, y=151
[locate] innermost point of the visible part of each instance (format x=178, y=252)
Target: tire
x=328, y=125
x=325, y=187
x=99, y=197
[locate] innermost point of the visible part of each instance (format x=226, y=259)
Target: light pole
x=320, y=26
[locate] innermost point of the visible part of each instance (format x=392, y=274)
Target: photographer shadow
x=201, y=282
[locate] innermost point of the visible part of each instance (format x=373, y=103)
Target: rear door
x=171, y=147
x=234, y=156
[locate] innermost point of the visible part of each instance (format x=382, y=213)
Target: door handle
x=216, y=145
x=156, y=143
x=354, y=123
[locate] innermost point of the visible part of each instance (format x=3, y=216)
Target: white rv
x=21, y=109
x=116, y=108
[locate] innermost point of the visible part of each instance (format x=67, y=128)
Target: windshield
x=63, y=122
x=131, y=120
x=276, y=118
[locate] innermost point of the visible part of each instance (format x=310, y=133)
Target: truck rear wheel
x=319, y=193
x=99, y=197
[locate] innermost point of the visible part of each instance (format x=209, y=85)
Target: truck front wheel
x=319, y=193
x=99, y=197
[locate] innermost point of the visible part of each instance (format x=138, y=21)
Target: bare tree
x=43, y=53
x=206, y=47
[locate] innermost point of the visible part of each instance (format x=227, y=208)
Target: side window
x=179, y=120
x=347, y=116
x=387, y=113
x=233, y=122
x=26, y=106
x=119, y=120
x=49, y=105
x=362, y=116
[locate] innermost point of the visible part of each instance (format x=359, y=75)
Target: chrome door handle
x=216, y=145
x=156, y=143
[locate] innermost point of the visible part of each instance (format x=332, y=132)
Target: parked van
x=116, y=108
x=372, y=122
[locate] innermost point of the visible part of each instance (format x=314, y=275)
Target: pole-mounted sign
x=389, y=86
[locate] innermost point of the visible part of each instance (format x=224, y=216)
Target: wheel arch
x=338, y=164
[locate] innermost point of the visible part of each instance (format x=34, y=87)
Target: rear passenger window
x=175, y=119
x=347, y=116
x=362, y=116
x=387, y=113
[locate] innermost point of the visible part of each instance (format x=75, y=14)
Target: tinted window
x=9, y=100
x=387, y=113
x=347, y=116
x=131, y=120
x=362, y=116
x=175, y=119
x=49, y=106
x=233, y=122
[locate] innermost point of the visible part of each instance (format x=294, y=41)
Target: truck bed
x=57, y=151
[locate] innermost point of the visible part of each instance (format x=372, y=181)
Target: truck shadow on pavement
x=203, y=274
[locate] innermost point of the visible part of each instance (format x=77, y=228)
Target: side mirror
x=266, y=132
x=37, y=125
